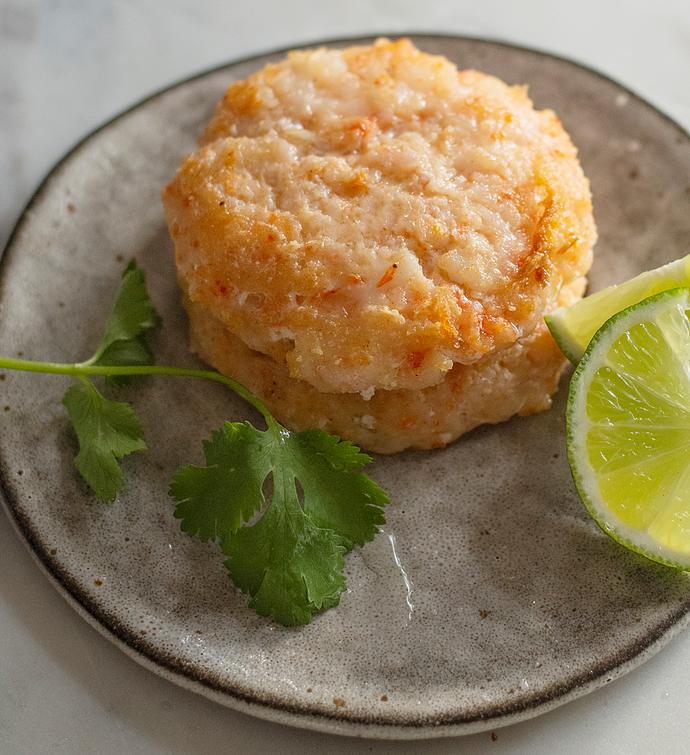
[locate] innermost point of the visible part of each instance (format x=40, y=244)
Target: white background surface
x=66, y=66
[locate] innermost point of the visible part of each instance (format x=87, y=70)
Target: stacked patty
x=369, y=238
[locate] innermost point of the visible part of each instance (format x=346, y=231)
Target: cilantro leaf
x=290, y=567
x=133, y=352
x=291, y=560
x=213, y=501
x=106, y=431
x=132, y=315
x=353, y=507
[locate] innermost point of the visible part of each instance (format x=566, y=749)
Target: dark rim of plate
x=262, y=705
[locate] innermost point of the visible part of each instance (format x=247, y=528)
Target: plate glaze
x=489, y=597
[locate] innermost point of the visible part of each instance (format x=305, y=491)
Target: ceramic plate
x=490, y=596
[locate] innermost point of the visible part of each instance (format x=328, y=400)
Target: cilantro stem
x=84, y=369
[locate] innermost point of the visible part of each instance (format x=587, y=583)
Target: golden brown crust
x=371, y=218
x=518, y=380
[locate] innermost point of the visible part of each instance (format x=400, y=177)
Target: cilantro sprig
x=285, y=507
x=291, y=560
x=109, y=430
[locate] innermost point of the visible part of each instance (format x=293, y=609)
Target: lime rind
x=565, y=342
x=573, y=327
x=637, y=540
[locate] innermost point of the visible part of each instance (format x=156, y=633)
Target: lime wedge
x=573, y=327
x=628, y=428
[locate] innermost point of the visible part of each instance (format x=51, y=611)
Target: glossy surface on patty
x=371, y=216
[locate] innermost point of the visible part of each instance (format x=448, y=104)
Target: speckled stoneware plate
x=489, y=597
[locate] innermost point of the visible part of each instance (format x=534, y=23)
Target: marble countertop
x=66, y=67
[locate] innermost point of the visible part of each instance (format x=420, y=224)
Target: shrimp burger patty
x=369, y=239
